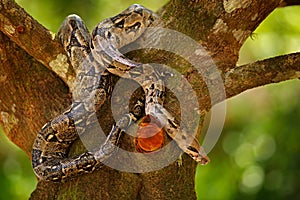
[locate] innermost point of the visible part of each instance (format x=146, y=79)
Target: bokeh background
x=257, y=155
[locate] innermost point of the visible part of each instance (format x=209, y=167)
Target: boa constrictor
x=95, y=58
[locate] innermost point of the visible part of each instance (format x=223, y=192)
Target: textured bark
x=260, y=73
x=30, y=94
x=290, y=3
x=26, y=33
x=34, y=90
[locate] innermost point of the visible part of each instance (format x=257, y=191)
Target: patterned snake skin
x=95, y=58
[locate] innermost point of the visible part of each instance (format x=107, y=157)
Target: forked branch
x=215, y=24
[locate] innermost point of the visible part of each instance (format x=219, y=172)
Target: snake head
x=127, y=26
x=191, y=146
x=73, y=32
x=199, y=156
x=135, y=16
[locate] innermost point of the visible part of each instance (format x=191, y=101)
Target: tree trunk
x=36, y=82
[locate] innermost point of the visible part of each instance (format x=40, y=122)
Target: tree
x=37, y=84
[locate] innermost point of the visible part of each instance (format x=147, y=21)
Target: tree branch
x=217, y=25
x=285, y=3
x=35, y=39
x=261, y=73
x=30, y=94
x=27, y=103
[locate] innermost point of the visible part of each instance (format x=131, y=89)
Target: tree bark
x=36, y=80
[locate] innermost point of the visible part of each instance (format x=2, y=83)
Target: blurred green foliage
x=257, y=155
x=51, y=13
x=17, y=179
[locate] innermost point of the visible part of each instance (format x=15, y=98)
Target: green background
x=257, y=155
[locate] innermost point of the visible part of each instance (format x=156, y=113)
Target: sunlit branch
x=261, y=73
x=35, y=39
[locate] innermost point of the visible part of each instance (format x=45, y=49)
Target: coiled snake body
x=95, y=57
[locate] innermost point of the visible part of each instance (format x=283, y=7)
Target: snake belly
x=96, y=58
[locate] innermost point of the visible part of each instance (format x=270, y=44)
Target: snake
x=96, y=58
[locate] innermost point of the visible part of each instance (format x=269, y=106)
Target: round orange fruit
x=150, y=135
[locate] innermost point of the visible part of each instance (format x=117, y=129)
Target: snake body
x=95, y=58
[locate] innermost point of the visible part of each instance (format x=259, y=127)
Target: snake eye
x=135, y=25
x=193, y=149
x=108, y=34
x=139, y=10
x=120, y=24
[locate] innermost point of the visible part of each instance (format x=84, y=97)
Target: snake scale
x=96, y=58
